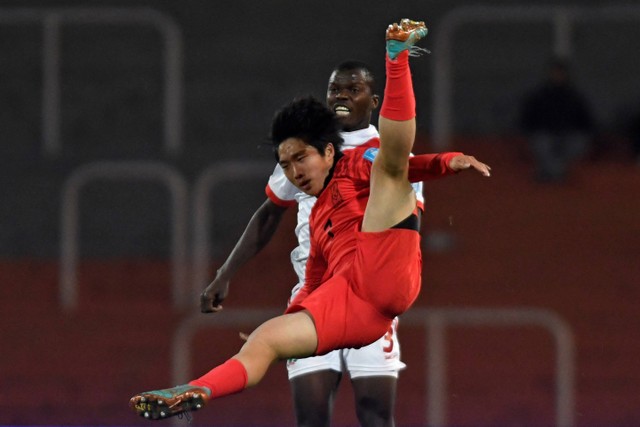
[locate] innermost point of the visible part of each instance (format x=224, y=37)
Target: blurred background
x=133, y=154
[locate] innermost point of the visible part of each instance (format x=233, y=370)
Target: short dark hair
x=353, y=64
x=308, y=119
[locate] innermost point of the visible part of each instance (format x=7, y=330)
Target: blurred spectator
x=557, y=122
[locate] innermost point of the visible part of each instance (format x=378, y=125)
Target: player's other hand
x=212, y=297
x=462, y=162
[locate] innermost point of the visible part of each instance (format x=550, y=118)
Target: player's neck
x=337, y=156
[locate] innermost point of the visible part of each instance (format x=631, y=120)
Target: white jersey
x=282, y=192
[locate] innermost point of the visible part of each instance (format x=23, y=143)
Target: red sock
x=225, y=379
x=399, y=102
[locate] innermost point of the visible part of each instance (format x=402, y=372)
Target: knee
x=312, y=411
x=392, y=168
x=372, y=413
x=257, y=356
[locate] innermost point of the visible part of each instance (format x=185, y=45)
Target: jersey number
x=388, y=337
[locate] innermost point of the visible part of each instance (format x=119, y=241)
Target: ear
x=375, y=101
x=330, y=151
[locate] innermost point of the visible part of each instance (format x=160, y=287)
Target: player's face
x=304, y=166
x=349, y=96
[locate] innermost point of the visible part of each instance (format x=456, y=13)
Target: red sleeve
x=424, y=167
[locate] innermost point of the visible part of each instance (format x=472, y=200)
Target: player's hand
x=462, y=162
x=212, y=297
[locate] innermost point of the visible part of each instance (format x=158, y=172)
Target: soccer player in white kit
x=373, y=369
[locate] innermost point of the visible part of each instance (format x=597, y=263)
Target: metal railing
x=114, y=171
x=562, y=19
x=52, y=20
x=435, y=322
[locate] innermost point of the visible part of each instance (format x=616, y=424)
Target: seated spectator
x=558, y=124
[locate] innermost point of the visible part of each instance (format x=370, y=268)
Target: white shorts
x=380, y=358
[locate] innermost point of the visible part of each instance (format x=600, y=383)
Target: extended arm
x=429, y=166
x=257, y=234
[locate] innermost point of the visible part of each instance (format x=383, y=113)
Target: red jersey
x=339, y=210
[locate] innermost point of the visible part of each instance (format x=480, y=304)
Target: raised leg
x=392, y=198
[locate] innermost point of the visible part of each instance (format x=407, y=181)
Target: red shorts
x=355, y=307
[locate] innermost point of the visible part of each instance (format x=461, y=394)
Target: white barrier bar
x=435, y=321
x=69, y=222
x=54, y=18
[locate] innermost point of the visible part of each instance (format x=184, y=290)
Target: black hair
x=308, y=119
x=358, y=65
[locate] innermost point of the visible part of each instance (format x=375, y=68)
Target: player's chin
x=346, y=120
x=308, y=188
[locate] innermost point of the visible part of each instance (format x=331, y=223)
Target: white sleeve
x=418, y=188
x=279, y=189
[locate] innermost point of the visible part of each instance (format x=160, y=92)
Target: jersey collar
x=358, y=137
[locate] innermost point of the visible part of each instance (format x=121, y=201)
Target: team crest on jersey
x=371, y=154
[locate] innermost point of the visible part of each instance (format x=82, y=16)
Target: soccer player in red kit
x=373, y=370
x=365, y=263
